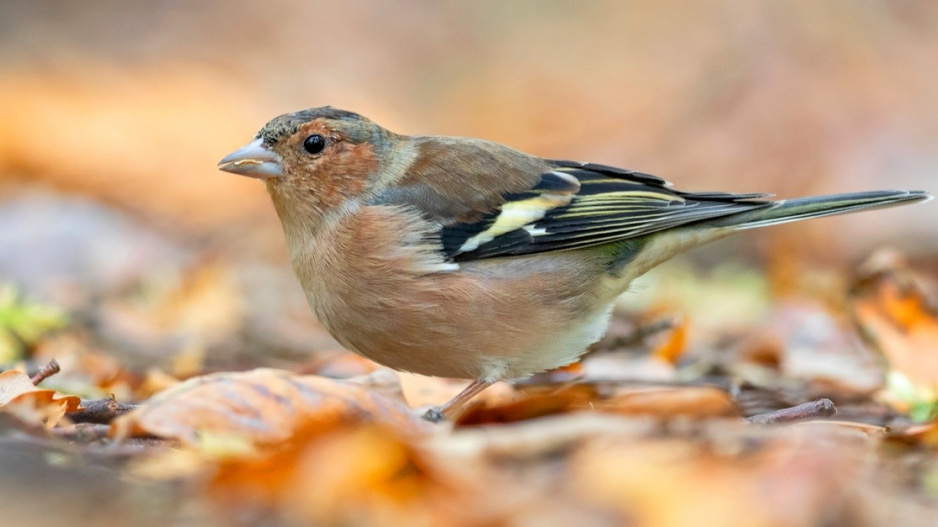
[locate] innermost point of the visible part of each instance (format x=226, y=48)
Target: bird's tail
x=785, y=211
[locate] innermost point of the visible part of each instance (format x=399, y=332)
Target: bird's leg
x=457, y=404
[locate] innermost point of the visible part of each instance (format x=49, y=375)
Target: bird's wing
x=578, y=205
x=454, y=180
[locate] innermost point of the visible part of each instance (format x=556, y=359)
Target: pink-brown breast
x=377, y=281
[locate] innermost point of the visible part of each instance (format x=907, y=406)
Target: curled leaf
x=19, y=396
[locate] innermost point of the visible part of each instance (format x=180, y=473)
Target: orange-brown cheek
x=344, y=174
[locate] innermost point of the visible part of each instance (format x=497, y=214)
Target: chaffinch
x=464, y=258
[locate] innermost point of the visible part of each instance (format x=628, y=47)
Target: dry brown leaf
x=667, y=402
x=696, y=402
x=815, y=344
x=344, y=476
x=530, y=404
x=863, y=429
x=260, y=407
x=926, y=434
x=892, y=310
x=897, y=317
x=18, y=395
x=155, y=381
x=765, y=349
x=342, y=365
x=674, y=345
x=785, y=477
x=890, y=306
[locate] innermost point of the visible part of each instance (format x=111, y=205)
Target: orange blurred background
x=113, y=115
x=133, y=103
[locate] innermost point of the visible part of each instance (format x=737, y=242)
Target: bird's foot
x=434, y=415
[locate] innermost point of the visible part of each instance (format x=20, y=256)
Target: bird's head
x=313, y=160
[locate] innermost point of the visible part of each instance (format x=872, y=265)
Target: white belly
x=562, y=348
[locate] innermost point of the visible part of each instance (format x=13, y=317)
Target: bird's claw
x=434, y=415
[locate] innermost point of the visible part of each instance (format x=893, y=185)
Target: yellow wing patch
x=515, y=215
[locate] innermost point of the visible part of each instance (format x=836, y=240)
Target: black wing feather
x=608, y=204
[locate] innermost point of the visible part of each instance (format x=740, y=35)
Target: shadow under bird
x=459, y=257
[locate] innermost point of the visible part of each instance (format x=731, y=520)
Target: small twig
x=46, y=371
x=802, y=412
x=100, y=411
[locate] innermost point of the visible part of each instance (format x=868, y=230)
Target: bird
x=464, y=258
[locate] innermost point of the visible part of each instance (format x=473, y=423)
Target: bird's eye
x=314, y=144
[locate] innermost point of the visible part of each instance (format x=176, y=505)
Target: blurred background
x=130, y=259
x=114, y=115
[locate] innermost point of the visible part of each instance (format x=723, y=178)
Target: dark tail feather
x=819, y=206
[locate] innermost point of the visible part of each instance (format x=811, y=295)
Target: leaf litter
x=655, y=427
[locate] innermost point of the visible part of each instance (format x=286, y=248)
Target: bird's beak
x=253, y=160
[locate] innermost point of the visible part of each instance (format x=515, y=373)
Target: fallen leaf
x=365, y=471
x=895, y=316
x=668, y=402
x=347, y=475
x=788, y=476
x=696, y=402
x=20, y=397
x=342, y=365
x=262, y=407
x=864, y=429
x=156, y=381
x=674, y=344
x=926, y=434
x=529, y=404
